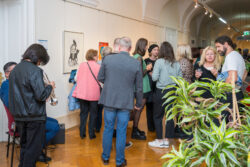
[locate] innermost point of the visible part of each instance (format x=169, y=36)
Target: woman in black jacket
x=27, y=99
x=207, y=68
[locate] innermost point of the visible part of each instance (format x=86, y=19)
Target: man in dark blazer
x=122, y=78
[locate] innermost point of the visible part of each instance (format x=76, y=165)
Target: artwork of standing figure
x=73, y=60
x=73, y=51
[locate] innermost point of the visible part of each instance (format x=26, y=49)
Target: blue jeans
x=52, y=127
x=122, y=117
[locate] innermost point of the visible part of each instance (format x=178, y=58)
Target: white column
x=17, y=31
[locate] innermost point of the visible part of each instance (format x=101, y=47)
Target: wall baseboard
x=70, y=120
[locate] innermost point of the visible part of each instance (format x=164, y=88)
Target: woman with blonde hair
x=208, y=67
x=184, y=56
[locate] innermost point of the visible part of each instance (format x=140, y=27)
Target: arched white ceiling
x=151, y=10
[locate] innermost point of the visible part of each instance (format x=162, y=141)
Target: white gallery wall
x=98, y=26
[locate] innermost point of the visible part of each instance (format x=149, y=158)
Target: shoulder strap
x=94, y=76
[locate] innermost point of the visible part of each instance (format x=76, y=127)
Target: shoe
x=83, y=136
x=159, y=143
x=92, y=137
x=43, y=158
x=123, y=164
x=137, y=135
x=129, y=144
x=141, y=132
x=151, y=130
x=105, y=162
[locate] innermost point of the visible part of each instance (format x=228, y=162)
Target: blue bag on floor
x=74, y=103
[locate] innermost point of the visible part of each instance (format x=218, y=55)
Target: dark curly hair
x=35, y=53
x=223, y=39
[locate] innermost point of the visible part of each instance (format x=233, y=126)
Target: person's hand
x=52, y=84
x=214, y=72
x=198, y=74
x=149, y=67
x=136, y=108
x=150, y=73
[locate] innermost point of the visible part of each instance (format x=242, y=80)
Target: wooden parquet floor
x=78, y=152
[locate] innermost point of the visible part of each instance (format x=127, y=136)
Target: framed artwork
x=73, y=51
x=101, y=46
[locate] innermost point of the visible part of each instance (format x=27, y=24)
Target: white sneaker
x=159, y=143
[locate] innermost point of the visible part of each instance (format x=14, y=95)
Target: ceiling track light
x=210, y=13
x=196, y=5
x=223, y=20
x=206, y=12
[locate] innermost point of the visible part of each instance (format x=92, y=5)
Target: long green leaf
x=231, y=156
x=198, y=162
x=168, y=156
x=207, y=144
x=229, y=134
x=222, y=159
x=215, y=147
x=169, y=94
x=208, y=157
x=169, y=99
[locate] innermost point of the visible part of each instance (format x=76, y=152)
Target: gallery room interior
x=69, y=30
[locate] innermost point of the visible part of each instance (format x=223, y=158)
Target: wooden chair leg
x=13, y=148
x=8, y=145
x=46, y=154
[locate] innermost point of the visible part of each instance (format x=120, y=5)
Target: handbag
x=95, y=78
x=74, y=103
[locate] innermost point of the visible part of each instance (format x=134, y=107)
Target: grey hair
x=117, y=41
x=125, y=42
x=106, y=51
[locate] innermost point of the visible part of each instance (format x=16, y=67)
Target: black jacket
x=27, y=93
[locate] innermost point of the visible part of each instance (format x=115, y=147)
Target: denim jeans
x=52, y=127
x=122, y=117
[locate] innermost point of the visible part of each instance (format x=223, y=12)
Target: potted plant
x=214, y=142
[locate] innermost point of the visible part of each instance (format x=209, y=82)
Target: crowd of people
x=120, y=84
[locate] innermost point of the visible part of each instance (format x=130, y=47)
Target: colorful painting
x=101, y=46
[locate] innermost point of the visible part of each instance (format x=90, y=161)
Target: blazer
x=86, y=86
x=122, y=77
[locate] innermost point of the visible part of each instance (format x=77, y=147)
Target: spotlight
x=222, y=20
x=196, y=5
x=229, y=28
x=206, y=12
x=211, y=15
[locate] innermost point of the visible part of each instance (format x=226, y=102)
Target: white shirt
x=234, y=62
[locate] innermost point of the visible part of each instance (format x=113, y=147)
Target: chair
x=11, y=133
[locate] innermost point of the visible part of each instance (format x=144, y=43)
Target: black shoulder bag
x=95, y=78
